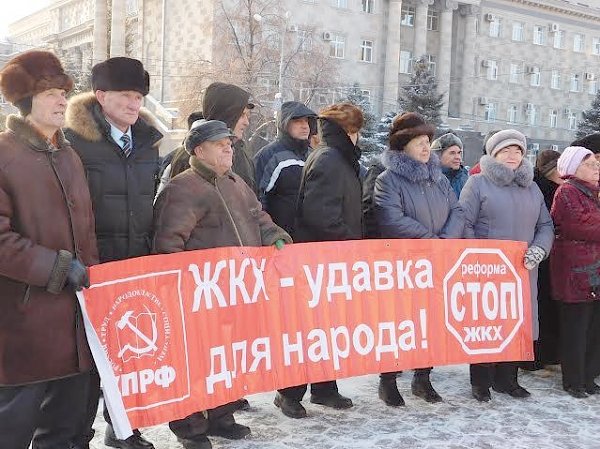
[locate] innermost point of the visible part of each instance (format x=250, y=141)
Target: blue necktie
x=126, y=145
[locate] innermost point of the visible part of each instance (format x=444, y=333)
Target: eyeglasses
x=592, y=165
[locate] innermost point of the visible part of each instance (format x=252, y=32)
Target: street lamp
x=286, y=17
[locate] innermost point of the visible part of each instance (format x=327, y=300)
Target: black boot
x=200, y=442
x=289, y=407
x=388, y=391
x=592, y=388
x=515, y=390
x=421, y=387
x=331, y=399
x=135, y=441
x=243, y=404
x=482, y=394
x=226, y=427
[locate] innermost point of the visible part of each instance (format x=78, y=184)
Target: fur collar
x=402, y=164
x=502, y=175
x=80, y=117
x=24, y=131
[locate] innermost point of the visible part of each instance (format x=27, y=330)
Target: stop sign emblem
x=483, y=301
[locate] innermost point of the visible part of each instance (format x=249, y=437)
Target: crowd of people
x=81, y=183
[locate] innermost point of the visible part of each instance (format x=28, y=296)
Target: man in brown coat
x=46, y=240
x=208, y=206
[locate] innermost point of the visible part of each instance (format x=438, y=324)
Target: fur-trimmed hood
x=82, y=118
x=502, y=175
x=27, y=133
x=402, y=164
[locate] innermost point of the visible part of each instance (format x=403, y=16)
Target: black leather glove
x=77, y=276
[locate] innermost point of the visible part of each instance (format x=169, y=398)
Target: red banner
x=190, y=331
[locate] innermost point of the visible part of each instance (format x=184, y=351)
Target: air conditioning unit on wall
x=489, y=17
x=590, y=76
x=293, y=28
x=327, y=35
x=486, y=63
x=554, y=27
x=483, y=100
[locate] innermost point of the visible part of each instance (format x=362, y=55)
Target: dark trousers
x=318, y=389
x=580, y=343
x=502, y=375
x=46, y=414
x=197, y=424
x=417, y=372
x=547, y=346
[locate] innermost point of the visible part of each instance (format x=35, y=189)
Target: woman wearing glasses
x=575, y=269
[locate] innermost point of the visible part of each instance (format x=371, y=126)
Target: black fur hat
x=120, y=74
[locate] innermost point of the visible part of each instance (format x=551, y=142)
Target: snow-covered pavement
x=548, y=419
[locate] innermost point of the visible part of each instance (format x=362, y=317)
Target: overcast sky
x=13, y=10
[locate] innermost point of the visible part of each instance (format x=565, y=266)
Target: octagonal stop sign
x=483, y=301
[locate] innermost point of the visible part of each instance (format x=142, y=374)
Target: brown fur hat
x=406, y=127
x=346, y=115
x=32, y=72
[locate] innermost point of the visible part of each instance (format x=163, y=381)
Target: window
x=304, y=41
x=407, y=15
x=553, y=118
x=578, y=43
x=572, y=120
x=534, y=149
x=515, y=73
x=518, y=32
x=576, y=82
x=511, y=113
x=559, y=39
x=337, y=46
x=495, y=27
x=593, y=87
x=405, y=61
x=366, y=51
x=492, y=70
x=340, y=3
x=536, y=77
x=490, y=112
x=531, y=111
x=554, y=147
x=431, y=64
x=539, y=35
x=433, y=19
x=555, y=82
x=596, y=46
x=367, y=6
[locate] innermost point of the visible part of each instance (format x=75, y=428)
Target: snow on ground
x=548, y=419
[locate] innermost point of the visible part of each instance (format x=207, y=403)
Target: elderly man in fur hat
x=46, y=241
x=118, y=146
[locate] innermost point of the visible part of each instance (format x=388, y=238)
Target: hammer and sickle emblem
x=150, y=341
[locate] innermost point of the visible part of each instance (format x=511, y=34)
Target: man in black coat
x=279, y=164
x=118, y=146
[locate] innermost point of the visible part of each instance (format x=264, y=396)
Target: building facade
x=529, y=64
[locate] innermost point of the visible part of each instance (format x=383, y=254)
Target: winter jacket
x=505, y=204
x=368, y=203
x=122, y=188
x=279, y=168
x=200, y=210
x=226, y=102
x=329, y=200
x=458, y=178
x=575, y=260
x=414, y=200
x=45, y=220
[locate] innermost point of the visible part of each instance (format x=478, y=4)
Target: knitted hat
x=406, y=127
x=446, y=141
x=203, y=130
x=546, y=161
x=30, y=73
x=119, y=74
x=570, y=159
x=503, y=139
x=591, y=142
